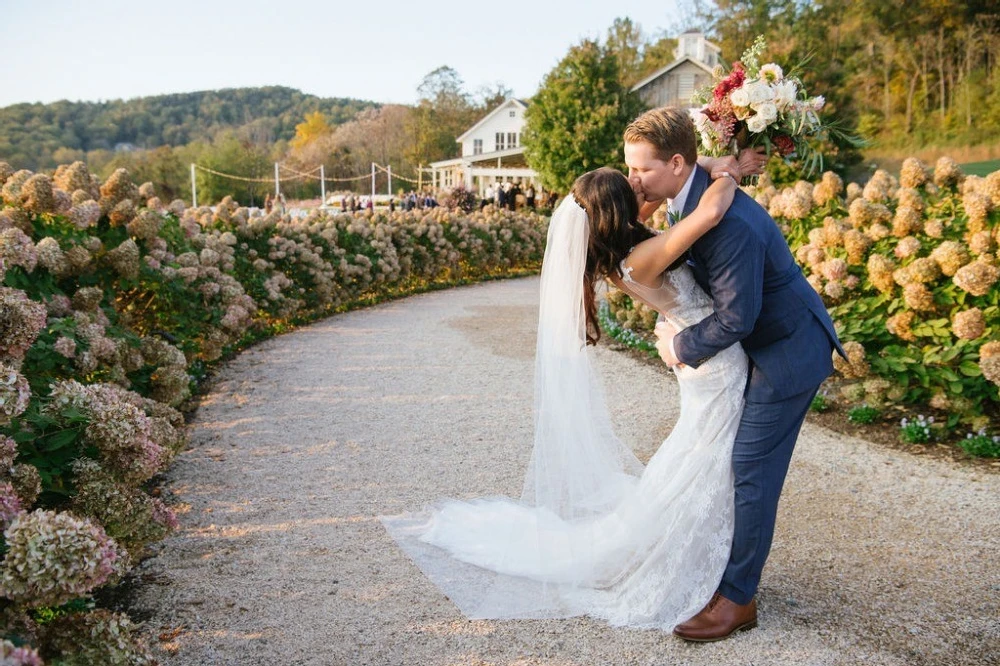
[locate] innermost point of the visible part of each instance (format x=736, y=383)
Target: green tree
x=575, y=121
x=656, y=54
x=625, y=42
x=444, y=111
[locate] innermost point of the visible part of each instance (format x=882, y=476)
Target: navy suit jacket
x=761, y=300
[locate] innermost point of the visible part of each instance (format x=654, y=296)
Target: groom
x=762, y=301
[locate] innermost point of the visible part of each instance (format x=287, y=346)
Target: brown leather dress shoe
x=721, y=618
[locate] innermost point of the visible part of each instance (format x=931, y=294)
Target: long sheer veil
x=593, y=533
x=578, y=466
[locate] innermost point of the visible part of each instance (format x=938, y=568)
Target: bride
x=594, y=533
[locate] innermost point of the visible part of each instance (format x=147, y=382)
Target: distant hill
x=32, y=135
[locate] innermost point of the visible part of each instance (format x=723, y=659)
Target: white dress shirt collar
x=676, y=205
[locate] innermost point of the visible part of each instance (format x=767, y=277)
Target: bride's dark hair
x=613, y=214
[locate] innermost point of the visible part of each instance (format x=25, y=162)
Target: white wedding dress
x=635, y=547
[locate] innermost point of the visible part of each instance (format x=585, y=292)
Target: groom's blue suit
x=762, y=301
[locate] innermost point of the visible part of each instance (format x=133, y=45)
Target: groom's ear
x=677, y=163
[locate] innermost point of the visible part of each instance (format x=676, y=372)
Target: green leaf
x=970, y=369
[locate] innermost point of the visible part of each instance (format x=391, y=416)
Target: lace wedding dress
x=644, y=548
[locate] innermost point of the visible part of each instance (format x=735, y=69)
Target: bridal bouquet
x=758, y=105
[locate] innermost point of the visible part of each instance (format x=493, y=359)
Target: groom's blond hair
x=669, y=129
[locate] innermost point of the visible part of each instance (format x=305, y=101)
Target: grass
x=981, y=168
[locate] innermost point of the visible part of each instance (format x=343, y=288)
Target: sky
x=377, y=50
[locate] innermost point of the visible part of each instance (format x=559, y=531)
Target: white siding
x=500, y=122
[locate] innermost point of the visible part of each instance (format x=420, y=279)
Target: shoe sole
x=743, y=627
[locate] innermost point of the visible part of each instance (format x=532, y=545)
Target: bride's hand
x=751, y=162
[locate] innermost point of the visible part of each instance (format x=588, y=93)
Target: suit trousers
x=761, y=453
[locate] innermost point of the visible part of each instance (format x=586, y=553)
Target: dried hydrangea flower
x=6, y=171
x=855, y=365
x=21, y=319
x=37, y=196
x=51, y=256
x=968, y=324
x=116, y=188
x=947, y=173
x=907, y=221
x=53, y=558
x=901, y=324
x=122, y=213
x=125, y=259
x=990, y=186
x=981, y=242
x=96, y=637
x=940, y=401
x=913, y=173
x=918, y=297
x=921, y=270
x=88, y=299
x=910, y=198
x=878, y=231
x=146, y=225
x=17, y=249
x=27, y=483
x=834, y=269
x=857, y=245
x=977, y=277
x=880, y=187
x=11, y=655
x=834, y=290
x=11, y=190
x=852, y=192
x=828, y=189
x=950, y=256
x=934, y=228
x=989, y=361
x=65, y=346
x=74, y=177
x=907, y=247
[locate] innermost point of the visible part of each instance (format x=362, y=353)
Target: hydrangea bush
x=908, y=269
x=112, y=305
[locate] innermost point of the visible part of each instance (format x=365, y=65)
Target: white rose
x=740, y=97
x=784, y=94
x=756, y=124
x=759, y=92
x=767, y=111
x=817, y=102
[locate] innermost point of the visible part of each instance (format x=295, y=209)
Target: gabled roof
x=513, y=101
x=663, y=70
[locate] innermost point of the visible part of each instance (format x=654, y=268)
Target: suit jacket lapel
x=698, y=187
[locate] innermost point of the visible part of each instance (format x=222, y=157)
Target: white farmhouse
x=491, y=152
x=491, y=149
x=691, y=70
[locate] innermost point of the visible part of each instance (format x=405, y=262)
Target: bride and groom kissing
x=678, y=544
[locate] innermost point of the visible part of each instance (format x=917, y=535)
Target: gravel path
x=879, y=558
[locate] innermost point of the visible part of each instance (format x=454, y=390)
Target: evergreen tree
x=575, y=121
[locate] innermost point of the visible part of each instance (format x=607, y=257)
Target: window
x=512, y=139
x=500, y=141
x=685, y=86
x=477, y=146
x=513, y=114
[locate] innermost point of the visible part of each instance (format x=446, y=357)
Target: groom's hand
x=665, y=332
